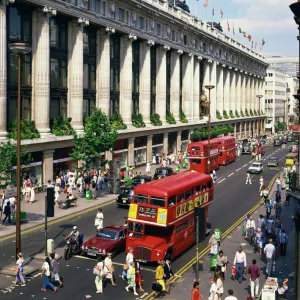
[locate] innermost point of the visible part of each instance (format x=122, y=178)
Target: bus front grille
x=142, y=253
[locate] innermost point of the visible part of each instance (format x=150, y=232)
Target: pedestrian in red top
x=254, y=272
x=196, y=294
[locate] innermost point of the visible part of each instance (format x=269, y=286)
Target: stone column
x=248, y=103
x=226, y=91
x=130, y=158
x=245, y=128
x=235, y=130
x=145, y=82
x=75, y=75
x=220, y=90
x=243, y=93
x=3, y=70
x=178, y=142
x=189, y=135
x=48, y=166
x=213, y=92
x=126, y=80
x=149, y=148
x=161, y=83
x=41, y=72
x=255, y=93
x=197, y=91
x=238, y=92
x=187, y=85
x=103, y=71
x=232, y=91
x=166, y=142
x=175, y=85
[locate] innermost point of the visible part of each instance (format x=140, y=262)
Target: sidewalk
x=36, y=211
x=284, y=264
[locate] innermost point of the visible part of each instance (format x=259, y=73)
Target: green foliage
x=246, y=112
x=60, y=126
x=99, y=136
x=8, y=157
x=231, y=114
x=137, y=120
x=225, y=114
x=201, y=134
x=182, y=117
x=218, y=115
x=237, y=114
x=255, y=112
x=170, y=118
x=155, y=120
x=28, y=130
x=242, y=114
x=117, y=122
x=251, y=113
x=280, y=126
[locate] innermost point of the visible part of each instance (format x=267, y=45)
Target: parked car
x=273, y=161
x=277, y=142
x=125, y=196
x=163, y=172
x=141, y=179
x=256, y=167
x=289, y=138
x=110, y=239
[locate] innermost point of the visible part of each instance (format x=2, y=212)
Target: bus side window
x=203, y=187
x=197, y=190
x=188, y=195
x=209, y=185
x=180, y=198
x=172, y=201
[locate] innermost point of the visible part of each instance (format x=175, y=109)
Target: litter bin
x=50, y=246
x=88, y=195
x=213, y=261
x=23, y=216
x=218, y=234
x=177, y=169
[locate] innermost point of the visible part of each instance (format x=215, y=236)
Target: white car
x=256, y=167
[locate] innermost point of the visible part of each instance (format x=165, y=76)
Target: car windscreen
x=255, y=165
x=138, y=180
x=107, y=234
x=161, y=171
x=273, y=159
x=126, y=192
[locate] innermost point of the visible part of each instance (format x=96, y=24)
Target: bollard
x=50, y=246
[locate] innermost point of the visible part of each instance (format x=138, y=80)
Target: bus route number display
x=147, y=212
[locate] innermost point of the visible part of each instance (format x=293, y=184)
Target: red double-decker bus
x=161, y=217
x=198, y=156
x=227, y=149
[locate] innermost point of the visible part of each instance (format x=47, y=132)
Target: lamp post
x=209, y=87
x=19, y=48
x=259, y=97
x=295, y=8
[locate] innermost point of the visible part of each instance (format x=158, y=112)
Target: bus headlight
x=158, y=253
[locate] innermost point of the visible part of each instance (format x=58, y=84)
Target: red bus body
x=227, y=149
x=161, y=218
x=198, y=156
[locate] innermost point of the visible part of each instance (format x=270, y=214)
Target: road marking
x=221, y=180
x=230, y=175
x=36, y=275
x=245, y=165
x=237, y=169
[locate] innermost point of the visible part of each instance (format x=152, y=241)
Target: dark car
x=273, y=161
x=163, y=172
x=125, y=196
x=110, y=239
x=246, y=149
x=141, y=179
x=277, y=142
x=289, y=138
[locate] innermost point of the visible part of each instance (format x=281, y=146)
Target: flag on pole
x=263, y=42
x=249, y=37
x=233, y=31
x=221, y=14
x=228, y=27
x=244, y=33
x=206, y=3
x=213, y=11
x=252, y=45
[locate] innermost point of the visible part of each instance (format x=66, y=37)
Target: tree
x=99, y=136
x=280, y=126
x=8, y=157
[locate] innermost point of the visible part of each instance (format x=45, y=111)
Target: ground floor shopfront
x=51, y=156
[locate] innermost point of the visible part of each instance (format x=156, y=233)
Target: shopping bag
x=244, y=231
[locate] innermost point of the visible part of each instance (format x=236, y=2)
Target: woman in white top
x=148, y=168
x=213, y=290
x=219, y=284
x=99, y=219
x=109, y=268
x=45, y=274
x=19, y=270
x=32, y=194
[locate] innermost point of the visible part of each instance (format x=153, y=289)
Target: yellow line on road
x=224, y=235
x=58, y=220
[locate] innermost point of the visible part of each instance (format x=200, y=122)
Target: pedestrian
x=99, y=219
x=278, y=197
x=213, y=290
x=250, y=226
x=270, y=251
x=138, y=275
x=131, y=279
x=213, y=245
x=27, y=192
x=168, y=272
x=99, y=272
x=278, y=184
x=160, y=277
x=283, y=240
x=261, y=182
x=19, y=270
x=55, y=269
x=283, y=289
x=56, y=193
x=129, y=260
x=259, y=240
x=94, y=185
x=62, y=183
x=254, y=272
x=7, y=212
x=148, y=168
x=240, y=262
x=45, y=275
x=278, y=226
x=222, y=262
x=230, y=295
x=245, y=223
x=270, y=224
x=109, y=269
x=220, y=285
x=196, y=294
x=58, y=181
x=261, y=222
x=248, y=178
x=269, y=207
x=32, y=194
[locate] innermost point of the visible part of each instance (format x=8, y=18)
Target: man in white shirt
x=230, y=297
x=269, y=250
x=250, y=226
x=240, y=263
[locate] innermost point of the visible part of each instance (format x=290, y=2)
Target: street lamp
x=295, y=8
x=209, y=87
x=19, y=48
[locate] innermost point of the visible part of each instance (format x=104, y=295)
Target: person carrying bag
x=99, y=272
